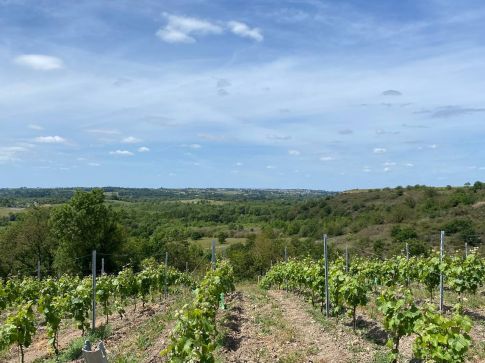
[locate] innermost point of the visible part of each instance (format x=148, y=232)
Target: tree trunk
x=354, y=321
x=395, y=350
x=21, y=353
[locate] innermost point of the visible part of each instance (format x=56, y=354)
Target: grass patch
x=5, y=211
x=74, y=349
x=133, y=348
x=206, y=242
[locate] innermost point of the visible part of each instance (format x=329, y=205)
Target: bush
x=402, y=234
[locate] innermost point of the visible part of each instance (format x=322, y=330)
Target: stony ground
x=276, y=326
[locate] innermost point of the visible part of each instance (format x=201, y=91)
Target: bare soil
x=277, y=327
x=120, y=328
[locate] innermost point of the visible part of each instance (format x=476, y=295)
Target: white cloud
x=239, y=163
x=326, y=158
x=409, y=165
x=379, y=150
x=50, y=140
x=192, y=146
x=278, y=137
x=270, y=167
x=104, y=131
x=143, y=149
x=35, y=127
x=386, y=169
x=182, y=29
x=294, y=152
x=121, y=153
x=39, y=62
x=211, y=137
x=389, y=163
x=172, y=174
x=245, y=31
x=10, y=153
x=366, y=170
x=433, y=146
x=130, y=140
x=94, y=164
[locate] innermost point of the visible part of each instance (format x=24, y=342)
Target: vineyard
x=25, y=302
x=389, y=285
x=401, y=292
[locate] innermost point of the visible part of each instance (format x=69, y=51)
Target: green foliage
x=221, y=237
x=402, y=234
x=19, y=328
x=441, y=339
x=104, y=292
x=82, y=225
x=429, y=271
x=466, y=275
x=354, y=293
x=79, y=304
x=26, y=242
x=52, y=306
x=400, y=315
x=193, y=338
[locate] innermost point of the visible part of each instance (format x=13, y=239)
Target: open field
x=206, y=243
x=5, y=211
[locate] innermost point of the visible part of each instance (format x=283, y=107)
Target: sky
x=307, y=94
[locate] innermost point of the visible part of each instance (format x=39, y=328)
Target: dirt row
x=277, y=326
x=120, y=332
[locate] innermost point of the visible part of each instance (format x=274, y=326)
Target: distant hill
x=23, y=197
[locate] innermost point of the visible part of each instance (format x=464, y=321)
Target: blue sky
x=272, y=94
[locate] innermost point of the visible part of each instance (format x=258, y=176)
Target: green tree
x=82, y=225
x=221, y=237
x=26, y=242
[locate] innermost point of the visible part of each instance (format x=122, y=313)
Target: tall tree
x=82, y=225
x=26, y=242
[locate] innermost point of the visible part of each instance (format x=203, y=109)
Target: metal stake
x=93, y=325
x=442, y=243
x=325, y=256
x=166, y=268
x=346, y=259
x=213, y=254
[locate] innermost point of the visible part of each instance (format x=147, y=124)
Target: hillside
x=257, y=224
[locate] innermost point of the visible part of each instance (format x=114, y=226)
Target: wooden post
x=102, y=266
x=442, y=243
x=325, y=256
x=466, y=249
x=286, y=254
x=93, y=324
x=38, y=270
